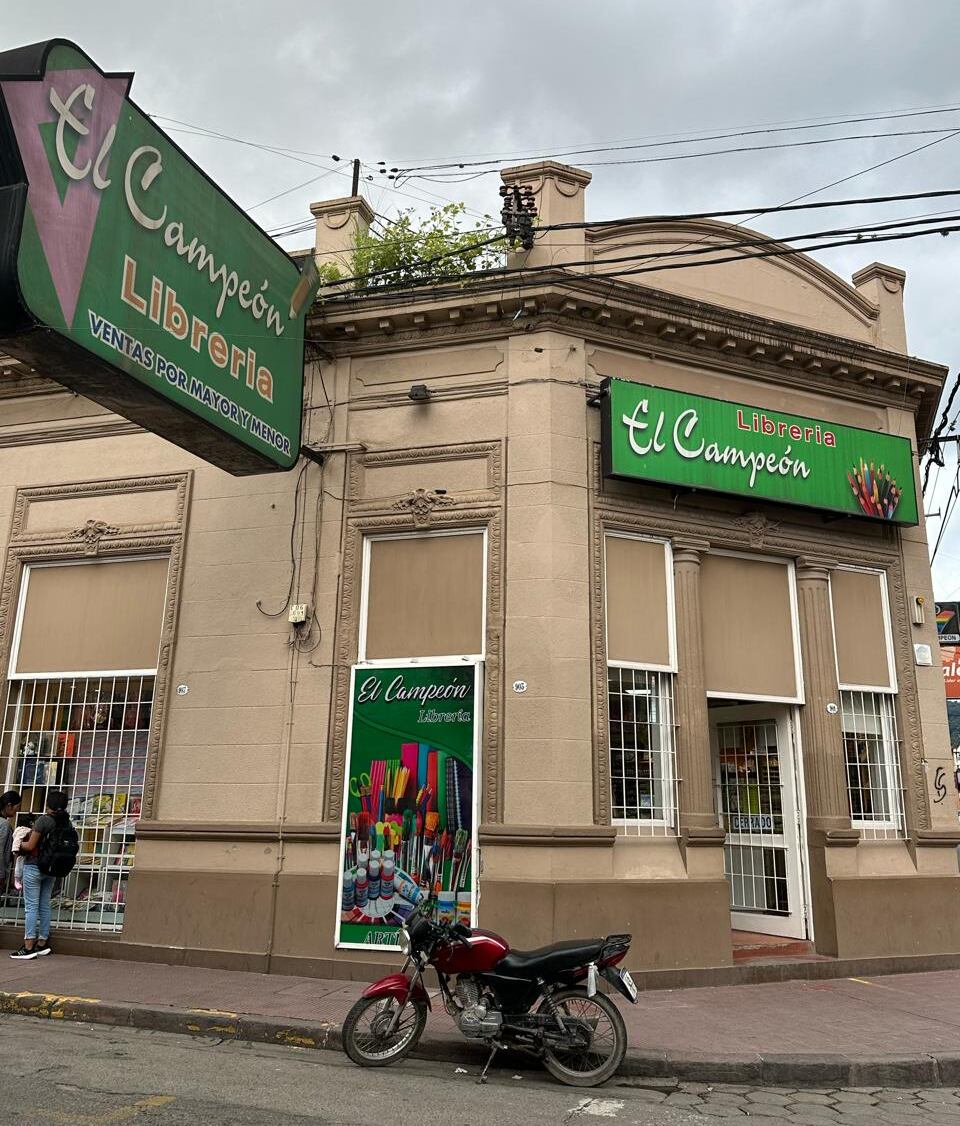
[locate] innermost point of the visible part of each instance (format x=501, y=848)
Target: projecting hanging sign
x=671, y=437
x=130, y=277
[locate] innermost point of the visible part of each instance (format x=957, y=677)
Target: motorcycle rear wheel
x=366, y=1039
x=595, y=1062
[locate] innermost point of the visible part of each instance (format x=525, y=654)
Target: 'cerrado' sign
x=130, y=277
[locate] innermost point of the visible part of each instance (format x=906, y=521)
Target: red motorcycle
x=544, y=1002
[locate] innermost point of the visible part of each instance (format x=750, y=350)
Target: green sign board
x=130, y=277
x=690, y=441
x=409, y=799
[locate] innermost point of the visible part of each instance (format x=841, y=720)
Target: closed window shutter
x=425, y=597
x=92, y=617
x=638, y=610
x=859, y=629
x=748, y=628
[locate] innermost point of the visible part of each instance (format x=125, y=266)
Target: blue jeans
x=37, y=889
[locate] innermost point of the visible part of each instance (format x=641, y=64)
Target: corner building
x=703, y=709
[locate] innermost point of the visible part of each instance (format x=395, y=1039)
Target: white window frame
x=890, y=765
x=13, y=674
x=890, y=689
x=668, y=823
x=753, y=697
x=668, y=782
x=892, y=770
x=642, y=666
x=365, y=593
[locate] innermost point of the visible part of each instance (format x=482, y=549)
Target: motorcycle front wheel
x=367, y=1036
x=599, y=1039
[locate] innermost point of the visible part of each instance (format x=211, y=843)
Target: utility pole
x=355, y=189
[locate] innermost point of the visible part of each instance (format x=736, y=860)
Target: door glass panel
x=751, y=807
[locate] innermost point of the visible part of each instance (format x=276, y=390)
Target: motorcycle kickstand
x=483, y=1074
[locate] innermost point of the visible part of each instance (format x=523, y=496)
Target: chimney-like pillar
x=339, y=222
x=883, y=285
x=558, y=190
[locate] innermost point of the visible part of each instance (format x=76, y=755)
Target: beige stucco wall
x=251, y=740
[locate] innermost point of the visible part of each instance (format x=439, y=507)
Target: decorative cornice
x=549, y=836
x=103, y=426
x=937, y=838
x=238, y=831
x=177, y=483
x=625, y=315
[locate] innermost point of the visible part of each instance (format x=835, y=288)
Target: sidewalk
x=884, y=1031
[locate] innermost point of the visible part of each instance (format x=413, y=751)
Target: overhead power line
x=516, y=279
x=300, y=226
x=675, y=139
x=677, y=217
x=441, y=177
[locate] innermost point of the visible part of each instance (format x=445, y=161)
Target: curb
x=937, y=1069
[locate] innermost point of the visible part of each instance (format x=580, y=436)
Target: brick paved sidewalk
x=741, y=1027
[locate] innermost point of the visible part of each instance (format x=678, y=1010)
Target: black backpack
x=58, y=848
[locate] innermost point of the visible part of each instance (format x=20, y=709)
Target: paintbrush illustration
x=431, y=822
x=459, y=845
x=464, y=867
x=446, y=851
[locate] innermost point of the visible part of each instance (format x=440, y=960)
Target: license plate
x=628, y=983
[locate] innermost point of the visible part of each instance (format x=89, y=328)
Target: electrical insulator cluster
x=518, y=214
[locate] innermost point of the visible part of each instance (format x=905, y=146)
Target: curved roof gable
x=795, y=289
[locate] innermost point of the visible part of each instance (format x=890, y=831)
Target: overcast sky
x=408, y=83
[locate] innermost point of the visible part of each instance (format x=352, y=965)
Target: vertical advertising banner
x=950, y=656
x=409, y=824
x=948, y=622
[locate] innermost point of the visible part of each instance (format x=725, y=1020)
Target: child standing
x=20, y=834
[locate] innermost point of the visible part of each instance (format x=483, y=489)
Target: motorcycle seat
x=548, y=961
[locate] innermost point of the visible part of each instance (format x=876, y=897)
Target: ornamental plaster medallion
x=757, y=527
x=421, y=503
x=91, y=533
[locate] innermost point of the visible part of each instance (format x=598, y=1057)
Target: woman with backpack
x=50, y=851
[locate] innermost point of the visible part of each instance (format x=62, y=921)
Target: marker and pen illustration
x=411, y=834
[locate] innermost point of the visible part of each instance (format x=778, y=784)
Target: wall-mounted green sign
x=654, y=434
x=130, y=277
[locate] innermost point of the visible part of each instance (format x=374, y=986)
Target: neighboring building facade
x=699, y=710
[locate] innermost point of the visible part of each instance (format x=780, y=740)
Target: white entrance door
x=757, y=799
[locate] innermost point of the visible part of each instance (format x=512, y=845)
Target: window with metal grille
x=871, y=754
x=642, y=772
x=77, y=718
x=87, y=736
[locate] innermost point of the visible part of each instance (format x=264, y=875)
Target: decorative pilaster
x=823, y=768
x=698, y=818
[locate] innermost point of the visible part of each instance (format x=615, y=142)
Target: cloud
x=421, y=81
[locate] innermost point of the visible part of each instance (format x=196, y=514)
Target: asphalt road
x=85, y=1075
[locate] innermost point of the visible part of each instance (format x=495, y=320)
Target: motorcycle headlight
x=405, y=944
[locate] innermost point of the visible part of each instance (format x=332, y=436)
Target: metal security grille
x=642, y=770
x=751, y=808
x=89, y=737
x=871, y=754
